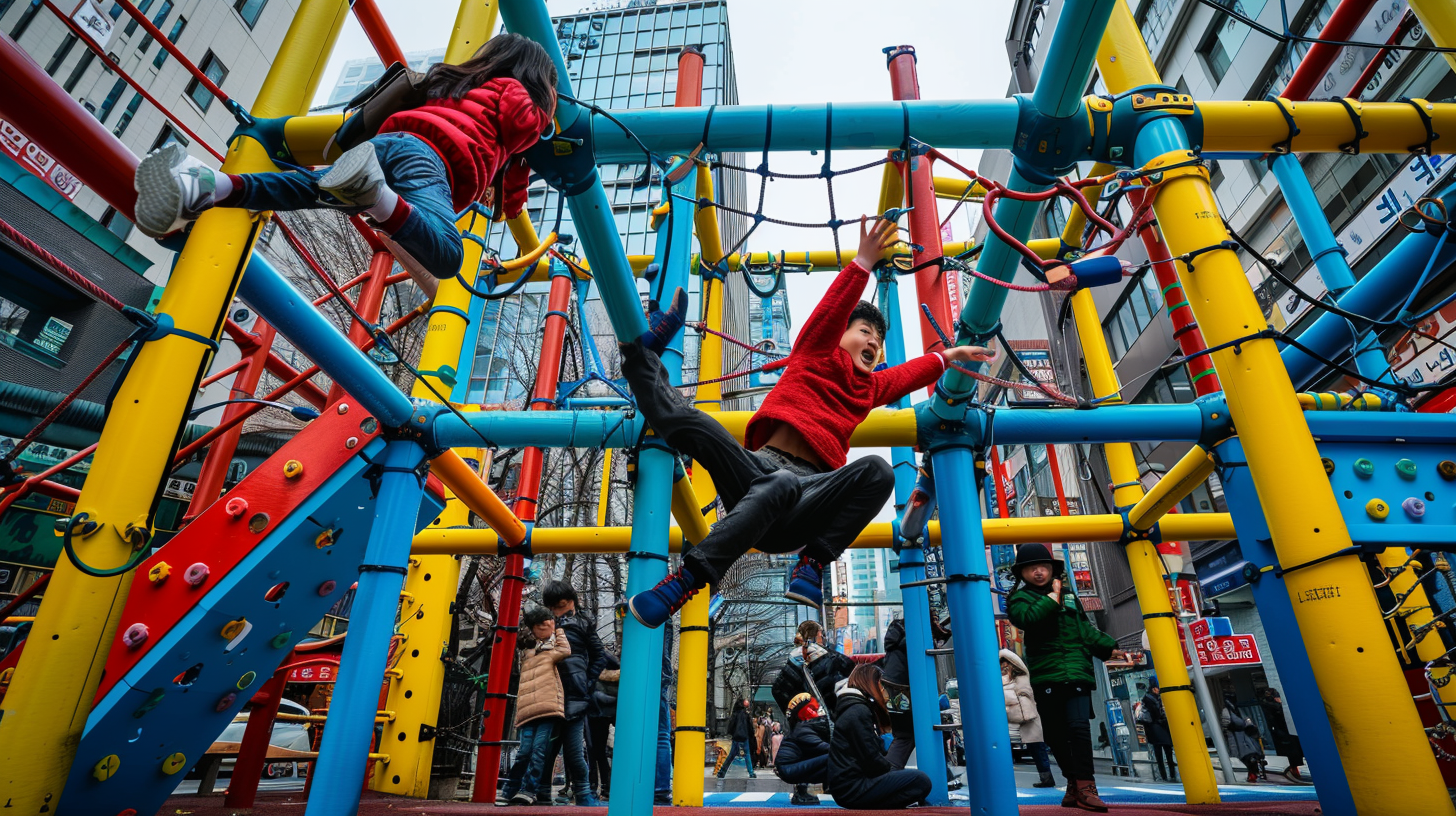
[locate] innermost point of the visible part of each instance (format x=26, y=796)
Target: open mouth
x=868, y=356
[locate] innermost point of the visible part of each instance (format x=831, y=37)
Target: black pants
x=1066, y=714
x=1159, y=751
x=596, y=754
x=902, y=726
x=777, y=503
x=894, y=790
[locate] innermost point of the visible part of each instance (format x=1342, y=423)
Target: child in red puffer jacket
x=426, y=164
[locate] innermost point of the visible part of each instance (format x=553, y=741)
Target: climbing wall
x=213, y=614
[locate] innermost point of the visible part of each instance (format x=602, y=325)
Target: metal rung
x=924, y=582
x=947, y=726
x=945, y=651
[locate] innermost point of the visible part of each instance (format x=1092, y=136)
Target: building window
x=168, y=136
x=110, y=101
x=249, y=10
x=172, y=36
x=1225, y=37
x=33, y=333
x=126, y=117
x=1139, y=306
x=142, y=6
x=214, y=70
x=79, y=71
x=62, y=51
x=25, y=17
x=1155, y=24
x=115, y=11
x=157, y=22
x=116, y=223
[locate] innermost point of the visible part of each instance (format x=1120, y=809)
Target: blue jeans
x=738, y=746
x=530, y=764
x=412, y=169
x=663, y=774
x=1041, y=756
x=570, y=738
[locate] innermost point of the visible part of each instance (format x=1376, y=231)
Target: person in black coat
x=803, y=758
x=740, y=731
x=860, y=775
x=1155, y=726
x=896, y=667
x=601, y=713
x=579, y=674
x=826, y=667
x=1285, y=744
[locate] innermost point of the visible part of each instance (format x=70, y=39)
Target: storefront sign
x=1232, y=650
x=30, y=156
x=1039, y=363
x=1421, y=357
x=316, y=673
x=96, y=25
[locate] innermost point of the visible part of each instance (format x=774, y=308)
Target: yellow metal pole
x=1072, y=529
x=52, y=689
x=1123, y=58
x=1439, y=20
x=427, y=611
x=1323, y=126
x=1191, y=471
x=955, y=189
x=1377, y=730
x=692, y=650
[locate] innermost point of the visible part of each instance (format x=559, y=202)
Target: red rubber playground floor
x=373, y=804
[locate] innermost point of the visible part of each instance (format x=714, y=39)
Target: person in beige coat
x=540, y=704
x=1021, y=712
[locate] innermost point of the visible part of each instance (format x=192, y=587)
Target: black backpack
x=397, y=89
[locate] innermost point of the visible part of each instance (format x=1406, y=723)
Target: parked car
x=291, y=735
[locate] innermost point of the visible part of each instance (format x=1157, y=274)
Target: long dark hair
x=866, y=679
x=504, y=55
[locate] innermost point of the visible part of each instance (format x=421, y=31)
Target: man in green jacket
x=1060, y=643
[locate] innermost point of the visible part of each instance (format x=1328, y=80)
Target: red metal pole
x=172, y=49
x=41, y=109
x=367, y=13
x=1406, y=24
x=253, y=752
x=1057, y=479
x=211, y=479
x=1343, y=22
x=1185, y=327
x=311, y=393
x=503, y=648
x=930, y=282
x=996, y=480
x=371, y=298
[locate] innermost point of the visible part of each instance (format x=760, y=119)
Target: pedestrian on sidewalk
x=740, y=730
x=1155, y=725
x=1242, y=736
x=1060, y=644
x=1021, y=712
x=1285, y=744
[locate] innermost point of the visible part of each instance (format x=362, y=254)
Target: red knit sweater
x=822, y=394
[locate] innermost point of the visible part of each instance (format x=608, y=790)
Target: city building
x=1203, y=51
x=232, y=41
x=358, y=73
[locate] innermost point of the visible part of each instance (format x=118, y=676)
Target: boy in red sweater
x=789, y=489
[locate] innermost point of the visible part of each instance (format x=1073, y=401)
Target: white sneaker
x=173, y=188
x=355, y=179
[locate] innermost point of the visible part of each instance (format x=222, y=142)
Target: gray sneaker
x=355, y=179
x=173, y=188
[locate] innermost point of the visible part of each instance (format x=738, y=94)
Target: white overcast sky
x=802, y=51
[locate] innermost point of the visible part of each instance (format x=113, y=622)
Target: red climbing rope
x=76, y=278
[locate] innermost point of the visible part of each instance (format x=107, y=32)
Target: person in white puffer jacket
x=1021, y=712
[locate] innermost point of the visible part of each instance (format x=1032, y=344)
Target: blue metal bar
x=634, y=760
x=530, y=18
x=963, y=123
x=275, y=299
x=1319, y=239
x=344, y=752
x=915, y=601
x=1067, y=72
x=1377, y=295
x=1280, y=627
x=989, y=776
x=1361, y=426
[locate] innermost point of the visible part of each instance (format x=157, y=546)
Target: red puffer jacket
x=479, y=138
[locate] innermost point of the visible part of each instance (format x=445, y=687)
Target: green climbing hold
x=1406, y=468
x=1364, y=468
x=281, y=639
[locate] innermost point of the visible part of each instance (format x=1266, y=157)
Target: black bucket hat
x=1036, y=553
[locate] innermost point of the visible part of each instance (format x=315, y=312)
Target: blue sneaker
x=653, y=607
x=807, y=584
x=587, y=800
x=663, y=326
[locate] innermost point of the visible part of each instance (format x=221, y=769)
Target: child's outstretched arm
x=826, y=324
x=893, y=383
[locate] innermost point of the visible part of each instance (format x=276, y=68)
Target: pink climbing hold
x=135, y=635
x=196, y=574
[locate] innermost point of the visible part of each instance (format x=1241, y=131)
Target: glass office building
x=621, y=58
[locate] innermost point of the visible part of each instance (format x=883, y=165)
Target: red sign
x=1228, y=650
x=317, y=673
x=32, y=158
